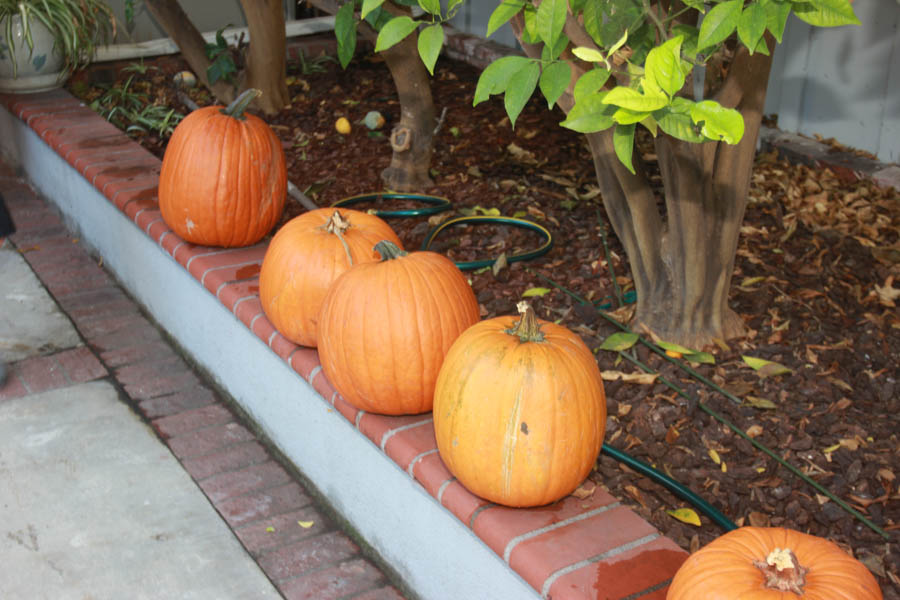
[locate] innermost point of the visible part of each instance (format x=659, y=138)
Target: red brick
x=350, y=412
x=146, y=217
x=249, y=479
x=246, y=310
x=191, y=420
x=282, y=346
x=231, y=458
x=380, y=428
x=404, y=445
x=14, y=386
x=497, y=525
x=186, y=399
x=157, y=229
x=41, y=373
x=93, y=298
x=308, y=555
x=185, y=252
x=265, y=504
x=431, y=472
x=538, y=557
x=156, y=378
x=218, y=258
x=140, y=332
x=80, y=365
x=231, y=294
x=101, y=143
x=124, y=173
x=92, y=162
x=460, y=501
x=62, y=282
x=273, y=532
x=321, y=384
x=383, y=593
x=304, y=361
x=137, y=206
x=213, y=278
x=141, y=351
x=647, y=567
x=336, y=582
x=207, y=441
x=263, y=329
x=142, y=192
x=150, y=179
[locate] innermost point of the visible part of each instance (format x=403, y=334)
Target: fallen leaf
x=639, y=378
x=535, y=291
x=619, y=341
x=685, y=515
x=305, y=524
x=759, y=403
x=584, y=491
x=758, y=519
x=715, y=456
x=672, y=435
x=499, y=264
x=765, y=368
x=623, y=410
x=270, y=529
x=754, y=431
x=887, y=293
x=886, y=474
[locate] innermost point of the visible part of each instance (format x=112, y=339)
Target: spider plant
x=77, y=26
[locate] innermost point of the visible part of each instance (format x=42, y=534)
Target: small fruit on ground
x=385, y=326
x=519, y=410
x=305, y=257
x=223, y=180
x=772, y=563
x=342, y=125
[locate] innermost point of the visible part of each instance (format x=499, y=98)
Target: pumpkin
x=772, y=563
x=223, y=179
x=519, y=410
x=385, y=326
x=303, y=259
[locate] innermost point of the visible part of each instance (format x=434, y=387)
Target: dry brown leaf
x=886, y=474
x=887, y=293
x=758, y=519
x=672, y=434
x=754, y=431
x=585, y=491
x=640, y=378
x=623, y=410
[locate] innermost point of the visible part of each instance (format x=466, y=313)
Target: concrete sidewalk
x=122, y=472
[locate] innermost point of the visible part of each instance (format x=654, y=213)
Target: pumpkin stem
x=389, y=250
x=338, y=225
x=239, y=105
x=527, y=328
x=783, y=572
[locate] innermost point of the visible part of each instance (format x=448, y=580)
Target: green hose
x=673, y=486
x=545, y=246
x=435, y=204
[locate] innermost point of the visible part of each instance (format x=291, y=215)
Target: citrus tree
x=266, y=60
x=693, y=73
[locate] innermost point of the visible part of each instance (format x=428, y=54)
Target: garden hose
x=673, y=486
x=545, y=246
x=435, y=204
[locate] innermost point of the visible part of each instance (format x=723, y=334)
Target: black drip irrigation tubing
x=437, y=205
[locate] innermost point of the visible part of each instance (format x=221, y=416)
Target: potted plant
x=43, y=41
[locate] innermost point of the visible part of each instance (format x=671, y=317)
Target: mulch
x=814, y=282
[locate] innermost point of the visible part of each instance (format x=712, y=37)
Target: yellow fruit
x=342, y=125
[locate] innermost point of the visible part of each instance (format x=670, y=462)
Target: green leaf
x=345, y=32
x=698, y=5
x=367, y=7
x=502, y=14
x=551, y=17
x=826, y=13
x=430, y=41
x=623, y=142
x=519, y=90
x=592, y=81
x=588, y=54
x=394, y=32
x=535, y=291
x=685, y=515
x=721, y=22
x=554, y=80
x=635, y=101
x=689, y=34
x=593, y=21
x=495, y=78
x=432, y=7
x=623, y=116
x=752, y=25
x=718, y=122
x=530, y=33
x=549, y=53
x=777, y=14
x=619, y=341
x=590, y=114
x=662, y=70
x=765, y=368
x=760, y=403
x=678, y=125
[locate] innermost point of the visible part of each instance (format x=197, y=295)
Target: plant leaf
x=394, y=32
x=752, y=25
x=685, y=515
x=554, y=80
x=634, y=100
x=535, y=291
x=345, y=32
x=765, y=368
x=430, y=41
x=590, y=114
x=495, y=77
x=623, y=142
x=521, y=87
x=717, y=122
x=826, y=13
x=759, y=403
x=367, y=7
x=551, y=17
x=720, y=23
x=619, y=341
x=505, y=11
x=662, y=69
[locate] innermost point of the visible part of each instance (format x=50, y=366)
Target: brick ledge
x=444, y=541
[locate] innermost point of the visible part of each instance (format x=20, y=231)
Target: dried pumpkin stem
x=389, y=250
x=527, y=328
x=338, y=225
x=239, y=105
x=783, y=572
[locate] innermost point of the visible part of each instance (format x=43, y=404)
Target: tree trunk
x=267, y=61
x=412, y=139
x=682, y=265
x=169, y=14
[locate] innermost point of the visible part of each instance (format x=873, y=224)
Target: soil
x=814, y=282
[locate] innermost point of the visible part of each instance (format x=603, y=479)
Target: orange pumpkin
x=771, y=563
x=385, y=326
x=519, y=410
x=223, y=179
x=306, y=256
